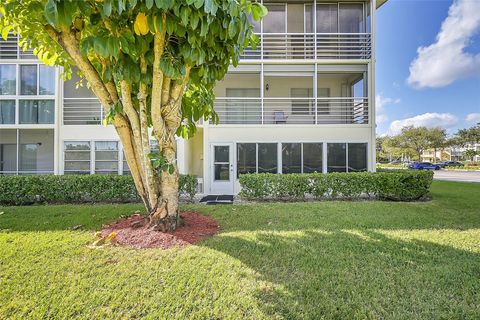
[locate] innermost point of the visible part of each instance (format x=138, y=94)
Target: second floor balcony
x=313, y=31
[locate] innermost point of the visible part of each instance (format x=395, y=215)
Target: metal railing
x=338, y=110
x=9, y=49
x=309, y=46
x=82, y=111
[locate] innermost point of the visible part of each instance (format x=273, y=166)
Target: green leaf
x=5, y=32
x=51, y=12
x=198, y=3
x=149, y=4
x=107, y=8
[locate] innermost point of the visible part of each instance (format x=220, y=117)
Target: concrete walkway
x=457, y=175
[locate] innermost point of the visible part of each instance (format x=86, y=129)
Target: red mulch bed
x=196, y=227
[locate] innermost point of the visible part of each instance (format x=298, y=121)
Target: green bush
x=397, y=185
x=24, y=190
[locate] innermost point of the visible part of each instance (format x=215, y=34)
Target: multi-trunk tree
x=151, y=63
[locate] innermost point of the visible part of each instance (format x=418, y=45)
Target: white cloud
x=429, y=120
x=445, y=61
x=473, y=117
x=380, y=103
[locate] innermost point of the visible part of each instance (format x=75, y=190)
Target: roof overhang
x=380, y=3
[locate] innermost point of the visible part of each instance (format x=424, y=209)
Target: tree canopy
x=151, y=63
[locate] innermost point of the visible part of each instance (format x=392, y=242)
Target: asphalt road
x=454, y=175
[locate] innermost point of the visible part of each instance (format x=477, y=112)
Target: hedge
x=39, y=189
x=397, y=185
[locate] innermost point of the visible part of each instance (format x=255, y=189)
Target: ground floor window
x=346, y=157
x=256, y=158
x=106, y=157
x=76, y=157
x=26, y=151
x=299, y=157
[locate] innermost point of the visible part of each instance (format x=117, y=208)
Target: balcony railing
x=9, y=49
x=81, y=111
x=342, y=110
x=310, y=46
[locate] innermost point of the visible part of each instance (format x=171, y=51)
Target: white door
x=222, y=177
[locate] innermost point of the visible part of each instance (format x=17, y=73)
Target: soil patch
x=132, y=232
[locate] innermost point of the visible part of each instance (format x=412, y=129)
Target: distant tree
x=151, y=63
x=468, y=136
x=438, y=140
x=469, y=154
x=414, y=138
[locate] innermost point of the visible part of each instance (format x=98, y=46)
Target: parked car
x=424, y=166
x=444, y=164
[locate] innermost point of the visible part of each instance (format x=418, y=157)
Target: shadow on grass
x=344, y=274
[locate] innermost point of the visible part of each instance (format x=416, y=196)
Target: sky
x=428, y=64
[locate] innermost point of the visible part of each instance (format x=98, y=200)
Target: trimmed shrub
x=396, y=185
x=25, y=190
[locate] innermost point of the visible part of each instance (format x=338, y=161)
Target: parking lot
x=454, y=175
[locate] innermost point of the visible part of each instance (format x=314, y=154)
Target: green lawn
x=338, y=260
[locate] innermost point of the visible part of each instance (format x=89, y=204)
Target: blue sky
x=442, y=87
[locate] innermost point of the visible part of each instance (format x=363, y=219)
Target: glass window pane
x=106, y=145
x=267, y=158
x=77, y=166
x=7, y=79
x=106, y=166
x=351, y=18
x=274, y=21
x=327, y=18
x=222, y=154
x=28, y=157
x=312, y=157
x=246, y=158
x=7, y=111
x=222, y=172
x=37, y=111
x=36, y=150
x=291, y=158
x=309, y=18
x=8, y=151
x=106, y=155
x=28, y=79
x=357, y=157
x=336, y=157
x=77, y=145
x=46, y=111
x=47, y=80
x=77, y=155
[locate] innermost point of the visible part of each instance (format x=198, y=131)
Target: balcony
x=82, y=111
x=9, y=49
x=292, y=111
x=310, y=46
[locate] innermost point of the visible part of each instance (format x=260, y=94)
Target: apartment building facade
x=302, y=101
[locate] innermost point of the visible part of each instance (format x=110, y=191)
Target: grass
x=327, y=260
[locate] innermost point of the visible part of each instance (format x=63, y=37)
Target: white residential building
x=302, y=101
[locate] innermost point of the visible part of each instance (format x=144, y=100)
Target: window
x=327, y=18
x=337, y=157
x=357, y=157
x=7, y=111
x=126, y=169
x=291, y=157
x=221, y=163
x=28, y=79
x=350, y=18
x=106, y=157
x=312, y=157
x=7, y=79
x=347, y=157
x=267, y=158
x=37, y=80
x=77, y=157
x=246, y=158
x=37, y=111
x=274, y=21
x=8, y=151
x=47, y=80
x=301, y=106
